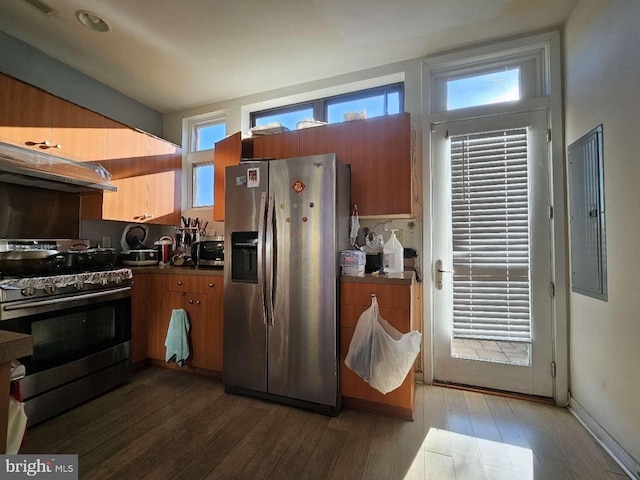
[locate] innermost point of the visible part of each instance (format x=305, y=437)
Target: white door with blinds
x=492, y=253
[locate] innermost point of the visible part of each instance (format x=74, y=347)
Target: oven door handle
x=60, y=301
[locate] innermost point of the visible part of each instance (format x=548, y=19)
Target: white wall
x=602, y=82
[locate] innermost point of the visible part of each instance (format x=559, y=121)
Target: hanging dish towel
x=177, y=341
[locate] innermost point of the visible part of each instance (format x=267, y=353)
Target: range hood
x=36, y=169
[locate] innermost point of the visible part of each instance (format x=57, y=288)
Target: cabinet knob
x=197, y=302
x=179, y=282
x=191, y=301
x=211, y=285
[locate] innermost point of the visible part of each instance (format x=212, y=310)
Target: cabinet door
x=163, y=173
x=25, y=113
x=140, y=293
x=161, y=303
x=227, y=152
x=279, y=145
x=395, y=303
x=126, y=152
x=327, y=139
x=381, y=169
x=79, y=132
x=205, y=315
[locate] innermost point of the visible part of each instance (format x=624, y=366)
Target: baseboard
x=613, y=448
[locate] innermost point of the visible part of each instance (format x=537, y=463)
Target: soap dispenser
x=393, y=254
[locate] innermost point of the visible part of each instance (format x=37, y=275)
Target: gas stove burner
x=17, y=288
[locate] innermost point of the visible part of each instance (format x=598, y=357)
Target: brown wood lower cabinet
x=396, y=307
x=155, y=296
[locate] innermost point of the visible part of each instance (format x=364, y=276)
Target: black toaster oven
x=208, y=253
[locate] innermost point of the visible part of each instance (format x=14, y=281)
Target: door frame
x=548, y=45
x=535, y=378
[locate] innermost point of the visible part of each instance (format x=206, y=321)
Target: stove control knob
x=78, y=285
x=104, y=281
x=50, y=289
x=28, y=291
x=117, y=280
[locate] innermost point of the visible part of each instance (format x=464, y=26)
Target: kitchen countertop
x=173, y=270
x=14, y=345
x=404, y=278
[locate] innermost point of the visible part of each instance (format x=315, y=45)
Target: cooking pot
x=71, y=260
x=138, y=258
x=30, y=262
x=98, y=258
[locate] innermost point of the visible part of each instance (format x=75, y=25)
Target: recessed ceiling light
x=92, y=21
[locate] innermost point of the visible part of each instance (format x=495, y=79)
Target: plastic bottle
x=393, y=254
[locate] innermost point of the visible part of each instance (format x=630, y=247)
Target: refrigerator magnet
x=253, y=177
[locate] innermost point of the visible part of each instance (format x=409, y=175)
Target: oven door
x=81, y=345
x=70, y=328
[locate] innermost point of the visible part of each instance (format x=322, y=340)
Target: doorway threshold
x=492, y=391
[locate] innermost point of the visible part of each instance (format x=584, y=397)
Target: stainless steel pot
x=98, y=258
x=30, y=262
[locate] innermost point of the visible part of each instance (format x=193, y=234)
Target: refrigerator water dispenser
x=244, y=257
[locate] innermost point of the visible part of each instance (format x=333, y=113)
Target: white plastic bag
x=380, y=354
x=16, y=425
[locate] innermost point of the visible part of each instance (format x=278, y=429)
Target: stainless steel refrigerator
x=285, y=224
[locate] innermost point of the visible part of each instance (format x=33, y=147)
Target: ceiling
x=175, y=54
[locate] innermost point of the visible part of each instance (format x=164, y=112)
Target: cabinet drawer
x=181, y=283
x=211, y=285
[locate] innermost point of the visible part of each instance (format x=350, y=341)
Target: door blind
x=490, y=236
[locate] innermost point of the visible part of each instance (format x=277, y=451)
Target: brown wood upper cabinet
x=334, y=138
x=281, y=145
x=227, y=152
x=378, y=150
x=25, y=113
x=147, y=172
x=381, y=167
x=79, y=133
x=29, y=117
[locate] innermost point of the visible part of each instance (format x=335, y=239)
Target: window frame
x=197, y=157
x=320, y=106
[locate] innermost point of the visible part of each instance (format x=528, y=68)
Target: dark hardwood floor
x=173, y=425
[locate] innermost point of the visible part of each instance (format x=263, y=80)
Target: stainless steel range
x=81, y=328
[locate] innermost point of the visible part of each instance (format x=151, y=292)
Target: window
x=204, y=132
x=375, y=102
x=489, y=82
x=287, y=117
x=490, y=236
x=202, y=185
x=484, y=89
x=206, y=135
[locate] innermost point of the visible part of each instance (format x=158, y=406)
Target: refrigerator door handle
x=261, y=239
x=269, y=260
